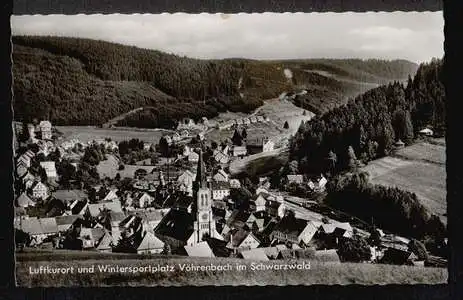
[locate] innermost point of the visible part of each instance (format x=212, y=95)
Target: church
x=180, y=227
x=204, y=224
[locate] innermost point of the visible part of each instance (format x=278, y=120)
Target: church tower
x=204, y=223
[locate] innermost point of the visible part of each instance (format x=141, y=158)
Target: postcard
x=229, y=149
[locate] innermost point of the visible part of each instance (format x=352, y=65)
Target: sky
x=415, y=36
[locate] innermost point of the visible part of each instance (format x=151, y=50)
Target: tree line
x=370, y=124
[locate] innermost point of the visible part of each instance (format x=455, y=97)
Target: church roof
x=177, y=224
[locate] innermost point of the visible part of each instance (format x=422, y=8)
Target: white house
x=268, y=145
x=39, y=190
x=185, y=181
x=150, y=244
x=45, y=130
x=220, y=190
x=50, y=169
x=243, y=240
x=426, y=132
x=235, y=184
x=193, y=157
x=222, y=176
x=239, y=151
x=260, y=202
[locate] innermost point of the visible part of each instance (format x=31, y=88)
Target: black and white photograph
x=229, y=149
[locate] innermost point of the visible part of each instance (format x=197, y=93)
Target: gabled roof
x=67, y=220
x=39, y=226
x=255, y=254
x=295, y=178
x=96, y=208
x=24, y=201
x=327, y=228
x=238, y=236
x=201, y=249
x=220, y=185
x=106, y=242
x=150, y=241
x=177, y=224
x=69, y=195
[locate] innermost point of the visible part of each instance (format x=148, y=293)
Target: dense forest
x=87, y=82
x=368, y=125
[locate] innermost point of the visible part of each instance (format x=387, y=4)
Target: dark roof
x=220, y=185
x=238, y=236
x=219, y=248
x=69, y=195
x=177, y=224
x=238, y=216
x=78, y=207
x=183, y=201
x=291, y=225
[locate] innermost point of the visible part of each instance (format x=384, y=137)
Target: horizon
x=410, y=36
x=238, y=58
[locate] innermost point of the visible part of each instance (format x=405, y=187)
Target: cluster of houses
x=242, y=121
x=194, y=212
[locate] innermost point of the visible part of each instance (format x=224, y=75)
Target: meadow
x=419, y=168
x=318, y=273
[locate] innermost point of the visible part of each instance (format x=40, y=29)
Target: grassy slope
x=319, y=273
x=419, y=168
x=101, y=80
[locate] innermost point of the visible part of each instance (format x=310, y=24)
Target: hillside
x=87, y=82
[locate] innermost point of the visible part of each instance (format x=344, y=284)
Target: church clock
x=205, y=216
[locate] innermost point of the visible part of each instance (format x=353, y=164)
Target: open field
x=278, y=112
x=419, y=168
x=318, y=273
x=88, y=133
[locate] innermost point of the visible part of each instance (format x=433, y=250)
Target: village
x=176, y=198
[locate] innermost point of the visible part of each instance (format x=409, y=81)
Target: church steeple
x=201, y=180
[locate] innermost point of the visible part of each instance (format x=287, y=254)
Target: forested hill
x=372, y=122
x=87, y=82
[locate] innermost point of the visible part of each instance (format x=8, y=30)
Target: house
x=193, y=157
x=260, y=202
x=142, y=200
x=246, y=121
x=239, y=151
x=45, y=130
x=239, y=121
x=243, y=240
x=185, y=182
x=257, y=254
x=90, y=237
x=50, y=169
x=39, y=190
x=235, y=184
x=221, y=176
x=293, y=230
x=398, y=257
x=25, y=159
x=220, y=190
x=253, y=119
x=260, y=119
x=221, y=157
x=319, y=184
x=298, y=179
x=150, y=244
x=426, y=132
x=38, y=229
x=150, y=218
x=28, y=177
x=176, y=137
x=21, y=170
x=106, y=243
x=329, y=255
x=175, y=229
x=65, y=223
x=69, y=196
x=201, y=249
x=275, y=208
x=258, y=145
x=94, y=209
x=399, y=144
x=24, y=201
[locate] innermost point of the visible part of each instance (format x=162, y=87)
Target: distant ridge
x=75, y=81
